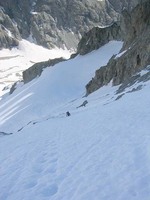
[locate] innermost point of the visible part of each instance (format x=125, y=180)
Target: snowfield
x=100, y=152
x=13, y=62
x=57, y=86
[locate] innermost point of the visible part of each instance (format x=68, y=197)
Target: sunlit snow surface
x=56, y=87
x=100, y=152
x=16, y=60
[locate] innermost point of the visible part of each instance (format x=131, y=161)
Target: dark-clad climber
x=68, y=114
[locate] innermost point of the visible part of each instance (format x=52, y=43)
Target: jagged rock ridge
x=56, y=22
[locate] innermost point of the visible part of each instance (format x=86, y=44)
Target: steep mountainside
x=55, y=22
x=133, y=29
x=94, y=39
x=135, y=54
x=101, y=151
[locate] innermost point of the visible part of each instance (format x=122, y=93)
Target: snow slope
x=56, y=87
x=16, y=60
x=100, y=152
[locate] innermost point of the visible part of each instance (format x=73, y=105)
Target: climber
x=68, y=114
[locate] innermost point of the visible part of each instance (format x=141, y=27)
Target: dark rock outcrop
x=36, y=70
x=137, y=78
x=136, y=55
x=98, y=37
x=5, y=40
x=135, y=24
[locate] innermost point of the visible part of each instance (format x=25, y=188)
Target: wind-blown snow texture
x=102, y=151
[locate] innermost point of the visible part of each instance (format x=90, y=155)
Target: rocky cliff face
x=56, y=22
x=135, y=54
x=98, y=37
x=9, y=34
x=124, y=4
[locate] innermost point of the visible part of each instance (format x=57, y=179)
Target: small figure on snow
x=68, y=114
